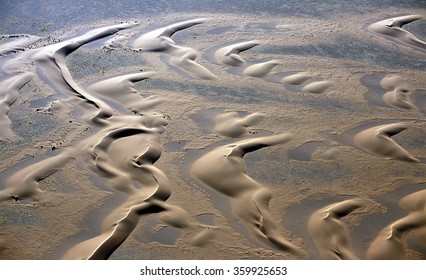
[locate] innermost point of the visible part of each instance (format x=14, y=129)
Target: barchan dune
x=377, y=140
x=230, y=55
x=160, y=40
x=393, y=27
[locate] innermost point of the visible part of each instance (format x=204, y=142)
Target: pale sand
x=122, y=137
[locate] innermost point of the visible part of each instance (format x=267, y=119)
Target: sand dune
x=317, y=87
x=121, y=89
x=393, y=27
x=397, y=92
x=377, y=140
x=296, y=79
x=223, y=169
x=391, y=241
x=232, y=125
x=331, y=236
x=9, y=92
x=260, y=70
x=229, y=55
x=52, y=61
x=160, y=40
x=19, y=43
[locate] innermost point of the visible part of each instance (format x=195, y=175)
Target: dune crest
x=377, y=140
x=232, y=125
x=223, y=169
x=260, y=70
x=160, y=40
x=397, y=92
x=331, y=236
x=391, y=241
x=393, y=27
x=229, y=55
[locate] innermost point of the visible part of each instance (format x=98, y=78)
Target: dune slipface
x=223, y=169
x=377, y=140
x=393, y=27
x=331, y=236
x=391, y=241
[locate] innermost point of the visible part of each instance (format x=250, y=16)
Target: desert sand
x=215, y=136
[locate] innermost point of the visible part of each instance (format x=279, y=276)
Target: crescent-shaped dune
x=229, y=55
x=393, y=27
x=377, y=140
x=330, y=234
x=160, y=40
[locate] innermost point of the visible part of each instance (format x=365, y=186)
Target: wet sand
x=213, y=136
